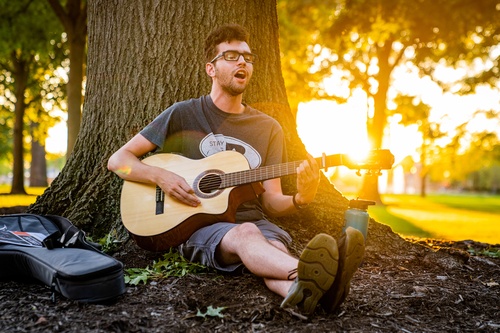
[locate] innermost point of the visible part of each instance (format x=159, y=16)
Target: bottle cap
x=360, y=203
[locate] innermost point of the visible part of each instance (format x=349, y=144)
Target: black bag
x=52, y=250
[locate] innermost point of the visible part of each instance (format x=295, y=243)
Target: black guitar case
x=52, y=250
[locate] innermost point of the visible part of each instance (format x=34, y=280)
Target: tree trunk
x=38, y=171
x=20, y=83
x=424, y=171
x=74, y=89
x=377, y=124
x=74, y=19
x=375, y=127
x=142, y=57
x=423, y=185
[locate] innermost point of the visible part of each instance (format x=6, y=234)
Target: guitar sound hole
x=208, y=184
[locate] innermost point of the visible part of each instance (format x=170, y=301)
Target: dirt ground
x=413, y=285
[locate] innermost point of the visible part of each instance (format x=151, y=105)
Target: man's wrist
x=296, y=204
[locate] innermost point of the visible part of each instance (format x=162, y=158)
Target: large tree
x=142, y=57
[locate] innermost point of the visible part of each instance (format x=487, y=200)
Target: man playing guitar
x=202, y=127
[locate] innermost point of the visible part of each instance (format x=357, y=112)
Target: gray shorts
x=201, y=246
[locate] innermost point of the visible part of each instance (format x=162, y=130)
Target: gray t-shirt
x=197, y=128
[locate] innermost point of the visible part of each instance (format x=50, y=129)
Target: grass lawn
x=7, y=200
x=449, y=217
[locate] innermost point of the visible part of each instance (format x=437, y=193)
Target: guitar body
x=157, y=228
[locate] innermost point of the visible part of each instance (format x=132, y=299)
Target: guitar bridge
x=160, y=201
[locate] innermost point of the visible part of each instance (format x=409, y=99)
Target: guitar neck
x=274, y=171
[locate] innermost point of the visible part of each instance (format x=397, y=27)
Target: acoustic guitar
x=222, y=182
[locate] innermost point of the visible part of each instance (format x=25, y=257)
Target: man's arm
x=126, y=164
x=275, y=203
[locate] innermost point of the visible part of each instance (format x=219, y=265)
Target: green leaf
x=211, y=312
x=491, y=252
x=171, y=264
x=135, y=276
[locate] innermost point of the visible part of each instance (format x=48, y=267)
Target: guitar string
x=264, y=173
x=252, y=175
x=226, y=180
x=269, y=172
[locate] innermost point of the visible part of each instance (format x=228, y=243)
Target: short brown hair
x=225, y=33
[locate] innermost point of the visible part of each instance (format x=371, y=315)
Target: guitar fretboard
x=273, y=171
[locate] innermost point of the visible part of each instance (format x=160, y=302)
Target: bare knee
x=249, y=232
x=228, y=251
x=246, y=231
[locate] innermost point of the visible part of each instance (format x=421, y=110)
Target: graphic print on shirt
x=214, y=143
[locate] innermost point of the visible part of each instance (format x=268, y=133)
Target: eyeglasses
x=235, y=55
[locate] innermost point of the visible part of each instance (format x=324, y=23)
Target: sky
x=57, y=141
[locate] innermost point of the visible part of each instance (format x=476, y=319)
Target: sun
x=330, y=128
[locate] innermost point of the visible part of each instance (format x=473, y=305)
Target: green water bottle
x=357, y=215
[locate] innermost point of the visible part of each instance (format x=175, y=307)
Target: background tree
x=483, y=153
x=471, y=160
x=26, y=29
x=142, y=57
x=6, y=125
x=412, y=110
x=39, y=127
x=46, y=94
x=367, y=39
x=300, y=23
x=73, y=16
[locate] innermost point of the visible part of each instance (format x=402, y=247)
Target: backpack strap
x=51, y=241
x=71, y=236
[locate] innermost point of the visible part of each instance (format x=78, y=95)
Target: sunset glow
x=326, y=127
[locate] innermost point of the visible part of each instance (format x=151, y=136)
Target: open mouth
x=241, y=74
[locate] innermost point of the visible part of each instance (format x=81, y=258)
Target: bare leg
x=280, y=287
x=271, y=261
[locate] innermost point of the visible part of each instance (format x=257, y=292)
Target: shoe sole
x=351, y=252
x=316, y=273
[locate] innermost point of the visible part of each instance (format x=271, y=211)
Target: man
x=219, y=121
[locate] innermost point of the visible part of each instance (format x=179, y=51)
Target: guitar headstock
x=377, y=160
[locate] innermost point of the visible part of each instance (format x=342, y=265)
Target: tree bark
x=142, y=57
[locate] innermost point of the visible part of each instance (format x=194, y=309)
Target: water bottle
x=357, y=215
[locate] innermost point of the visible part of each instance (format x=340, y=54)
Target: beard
x=234, y=89
x=228, y=83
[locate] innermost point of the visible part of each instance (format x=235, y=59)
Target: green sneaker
x=315, y=273
x=351, y=251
